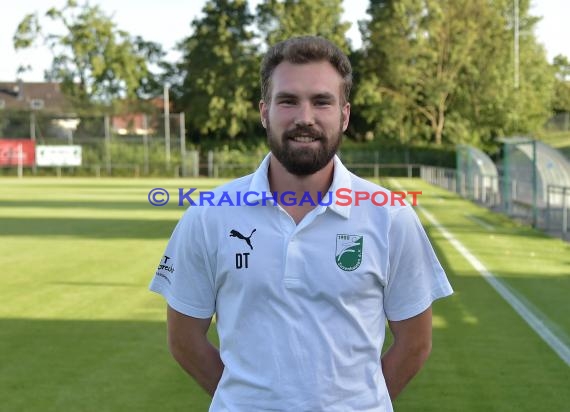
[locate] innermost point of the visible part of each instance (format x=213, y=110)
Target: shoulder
x=377, y=197
x=208, y=201
x=209, y=209
x=359, y=183
x=241, y=183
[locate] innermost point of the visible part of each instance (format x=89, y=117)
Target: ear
x=263, y=108
x=346, y=116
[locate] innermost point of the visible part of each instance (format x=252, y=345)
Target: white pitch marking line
x=559, y=347
x=479, y=221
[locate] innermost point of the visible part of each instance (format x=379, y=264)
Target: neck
x=280, y=181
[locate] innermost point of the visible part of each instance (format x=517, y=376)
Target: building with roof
x=23, y=96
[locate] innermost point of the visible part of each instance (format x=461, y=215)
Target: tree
x=281, y=19
x=488, y=102
x=220, y=71
x=92, y=58
x=423, y=46
x=445, y=68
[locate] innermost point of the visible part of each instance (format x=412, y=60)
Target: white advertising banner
x=58, y=155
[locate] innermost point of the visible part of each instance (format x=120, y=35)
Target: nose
x=305, y=115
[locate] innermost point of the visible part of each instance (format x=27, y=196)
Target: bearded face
x=305, y=116
x=304, y=150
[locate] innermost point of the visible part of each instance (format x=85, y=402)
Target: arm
x=408, y=353
x=190, y=347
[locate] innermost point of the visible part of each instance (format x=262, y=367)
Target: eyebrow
x=324, y=95
x=327, y=96
x=285, y=95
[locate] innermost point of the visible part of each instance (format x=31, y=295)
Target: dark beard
x=303, y=161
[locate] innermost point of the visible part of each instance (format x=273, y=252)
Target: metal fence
x=558, y=203
x=144, y=144
x=129, y=144
x=506, y=196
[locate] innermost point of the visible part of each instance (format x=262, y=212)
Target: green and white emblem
x=348, y=254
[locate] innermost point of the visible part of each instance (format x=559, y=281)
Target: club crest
x=348, y=254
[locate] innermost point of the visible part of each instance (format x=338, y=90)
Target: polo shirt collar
x=260, y=181
x=341, y=180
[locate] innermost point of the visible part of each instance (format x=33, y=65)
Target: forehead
x=306, y=79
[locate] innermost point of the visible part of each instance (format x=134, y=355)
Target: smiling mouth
x=304, y=139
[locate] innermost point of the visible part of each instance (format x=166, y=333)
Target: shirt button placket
x=291, y=249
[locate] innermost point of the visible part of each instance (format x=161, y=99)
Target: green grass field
x=79, y=330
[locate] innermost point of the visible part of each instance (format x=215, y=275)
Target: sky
x=168, y=21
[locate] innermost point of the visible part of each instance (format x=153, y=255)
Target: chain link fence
x=145, y=145
x=503, y=195
x=123, y=145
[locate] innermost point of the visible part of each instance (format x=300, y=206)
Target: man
x=301, y=289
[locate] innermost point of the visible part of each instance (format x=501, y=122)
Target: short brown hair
x=305, y=49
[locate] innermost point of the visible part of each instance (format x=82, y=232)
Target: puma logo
x=235, y=233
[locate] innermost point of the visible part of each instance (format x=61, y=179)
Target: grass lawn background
x=79, y=330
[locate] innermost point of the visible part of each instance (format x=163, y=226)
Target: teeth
x=304, y=139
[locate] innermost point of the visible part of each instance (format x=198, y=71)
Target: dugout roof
x=552, y=167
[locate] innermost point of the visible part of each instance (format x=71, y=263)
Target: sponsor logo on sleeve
x=165, y=268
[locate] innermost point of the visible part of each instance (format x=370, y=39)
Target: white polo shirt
x=300, y=308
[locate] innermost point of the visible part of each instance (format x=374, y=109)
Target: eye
x=287, y=102
x=322, y=102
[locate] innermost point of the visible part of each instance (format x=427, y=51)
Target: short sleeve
x=183, y=276
x=415, y=276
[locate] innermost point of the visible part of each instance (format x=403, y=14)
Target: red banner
x=11, y=150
